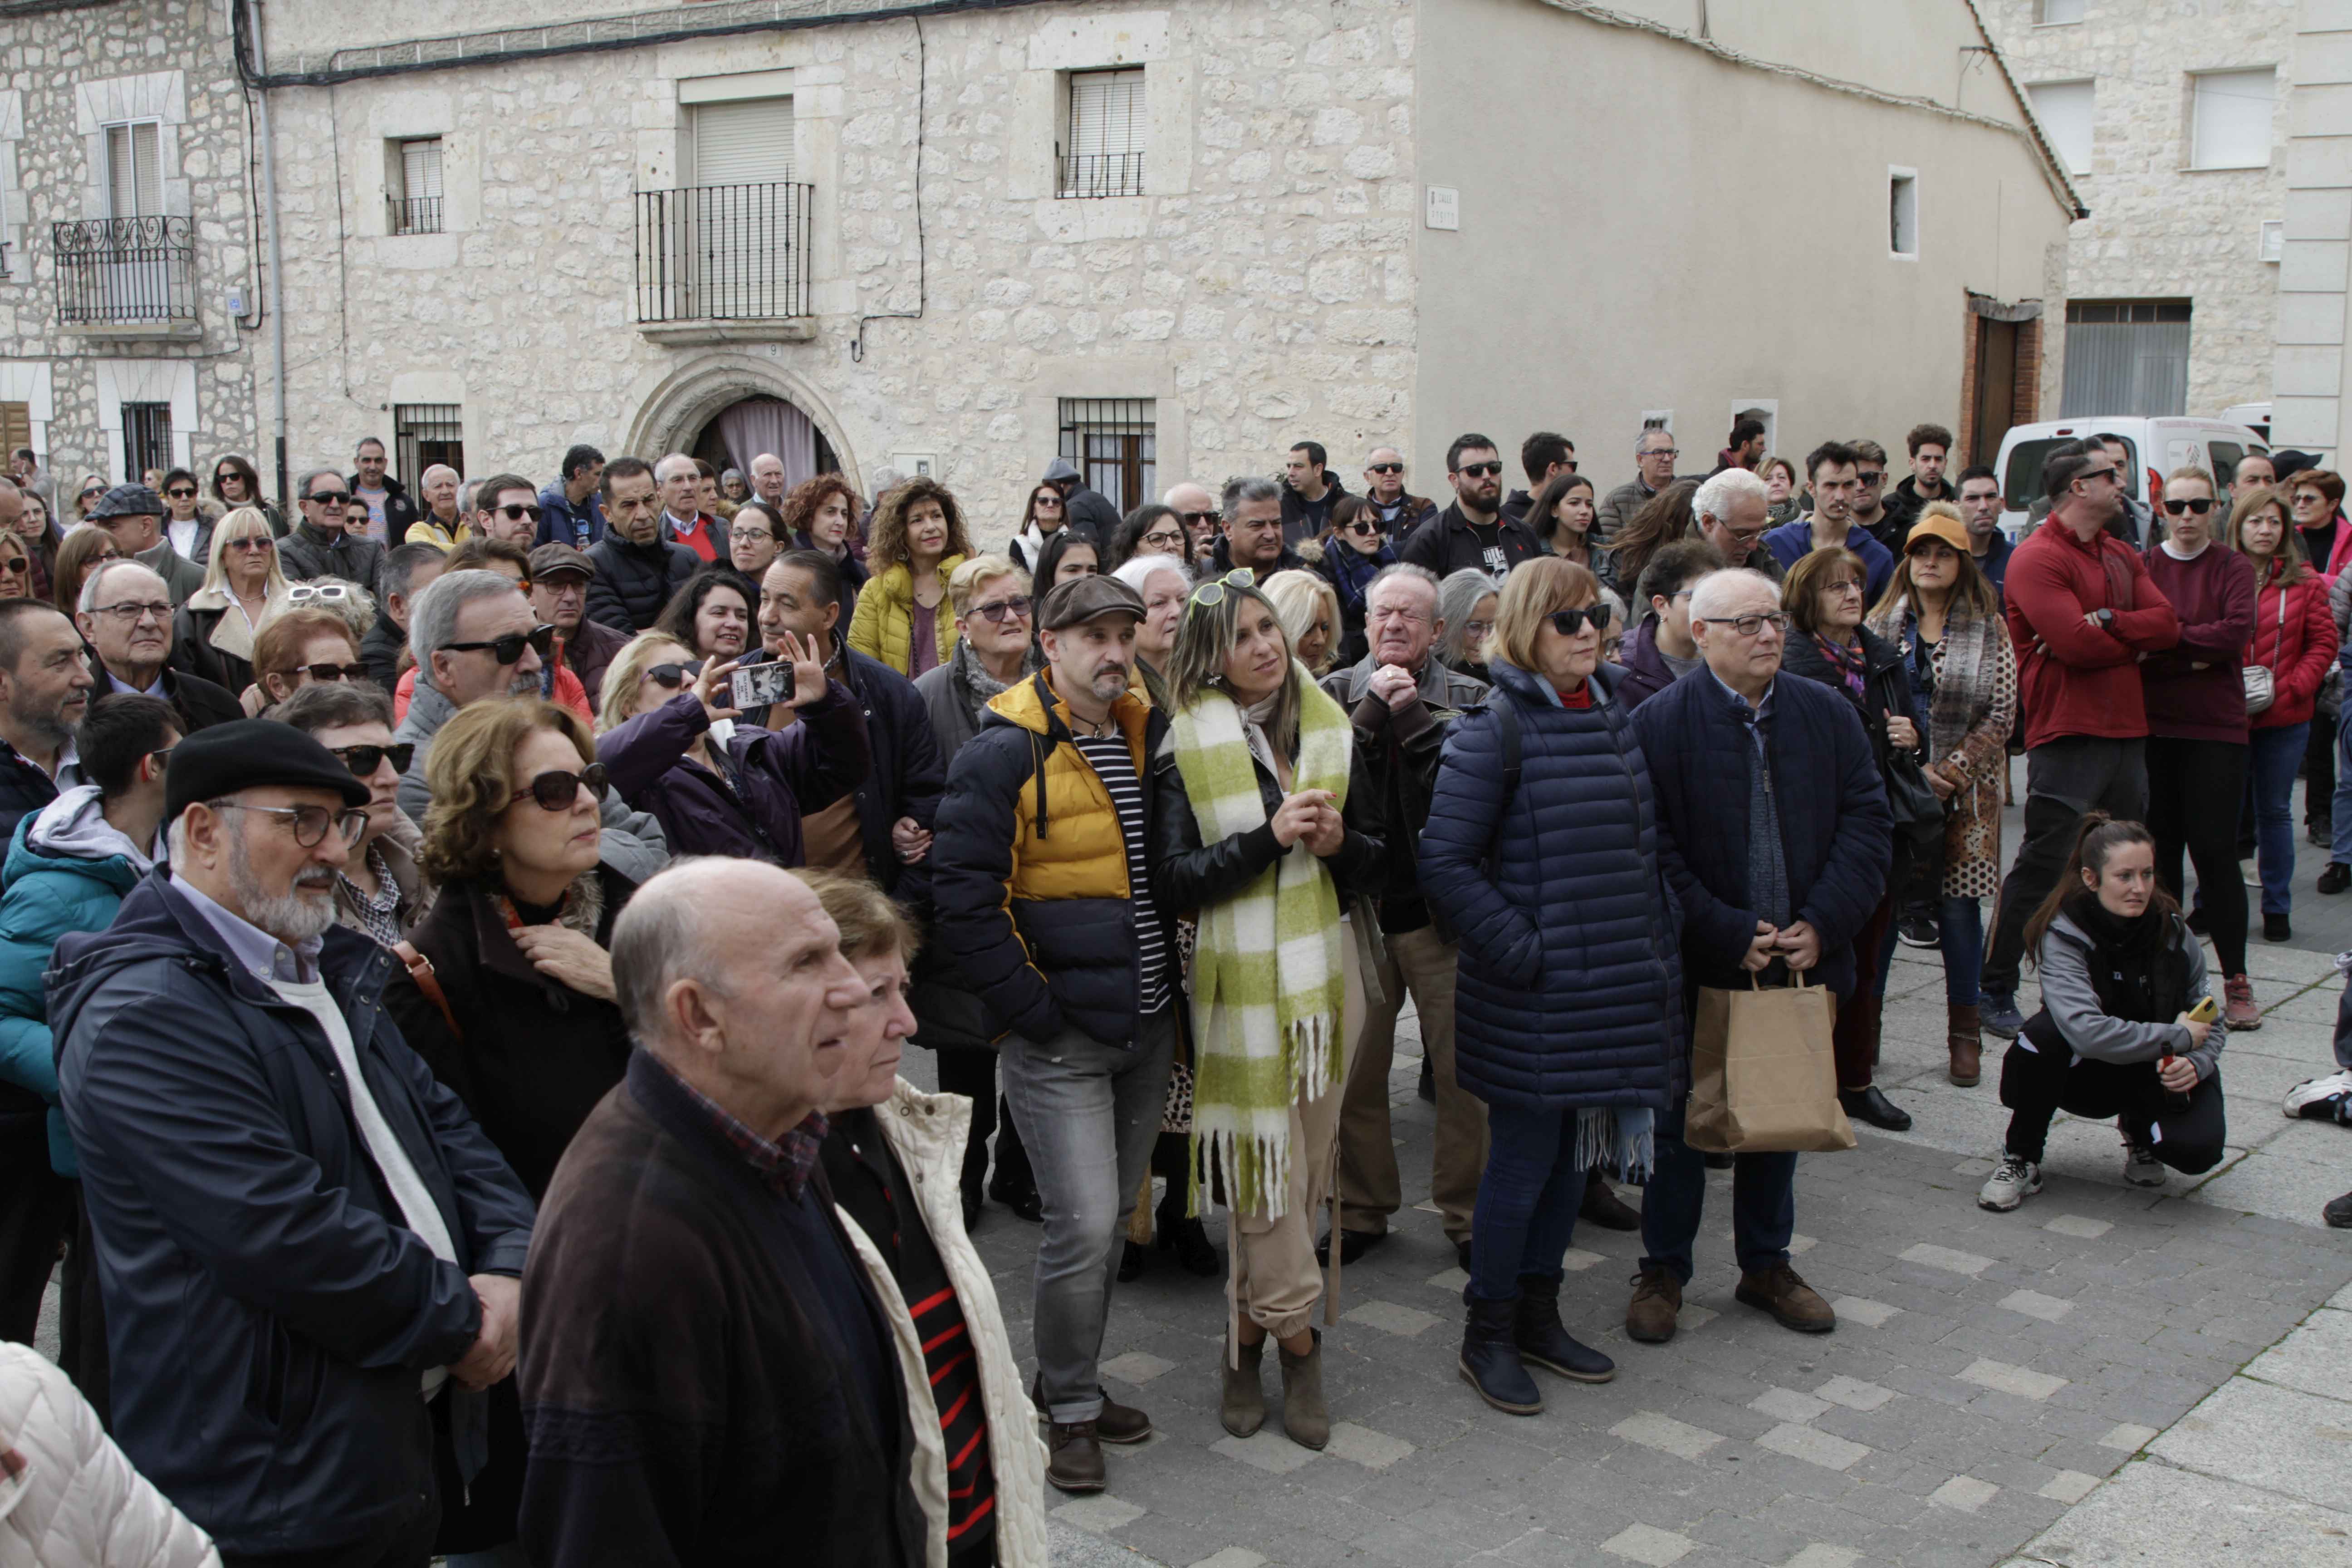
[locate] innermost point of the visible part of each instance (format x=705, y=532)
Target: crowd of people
x=456, y=953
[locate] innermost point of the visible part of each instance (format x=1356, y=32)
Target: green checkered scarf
x=1266, y=967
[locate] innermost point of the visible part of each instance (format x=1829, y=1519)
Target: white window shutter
x=134, y=172
x=420, y=169
x=2065, y=111
x=1106, y=113
x=2233, y=118
x=746, y=141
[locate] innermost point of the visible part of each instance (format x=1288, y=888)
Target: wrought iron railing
x=1102, y=175
x=715, y=253
x=413, y=214
x=125, y=269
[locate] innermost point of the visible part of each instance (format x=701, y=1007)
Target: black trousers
x=406, y=1543
x=2037, y=1084
x=81, y=1319
x=2319, y=773
x=36, y=1216
x=970, y=1071
x=2192, y=790
x=2063, y=779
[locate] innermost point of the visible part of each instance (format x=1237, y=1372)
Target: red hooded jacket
x=2075, y=678
x=2294, y=637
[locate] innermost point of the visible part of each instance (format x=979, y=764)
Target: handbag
x=1918, y=809
x=1763, y=1074
x=2262, y=685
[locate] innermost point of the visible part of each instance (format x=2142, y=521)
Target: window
x=1111, y=441
x=2064, y=108
x=416, y=196
x=1103, y=154
x=2055, y=13
x=146, y=439
x=747, y=141
x=134, y=170
x=423, y=434
x=1903, y=212
x=16, y=426
x=2231, y=118
x=2126, y=357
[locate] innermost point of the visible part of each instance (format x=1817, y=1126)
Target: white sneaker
x=2014, y=1180
x=2142, y=1168
x=2313, y=1092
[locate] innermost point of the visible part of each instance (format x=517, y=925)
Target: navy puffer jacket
x=1569, y=989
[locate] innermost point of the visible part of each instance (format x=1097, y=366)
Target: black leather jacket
x=1187, y=874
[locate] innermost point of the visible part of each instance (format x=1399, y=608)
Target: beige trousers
x=1415, y=961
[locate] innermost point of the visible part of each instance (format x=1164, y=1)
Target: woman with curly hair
x=903, y=619
x=819, y=515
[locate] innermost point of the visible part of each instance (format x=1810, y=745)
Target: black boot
x=1490, y=1361
x=1188, y=1240
x=1542, y=1342
x=1130, y=1263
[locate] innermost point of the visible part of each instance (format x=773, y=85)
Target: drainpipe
x=275, y=298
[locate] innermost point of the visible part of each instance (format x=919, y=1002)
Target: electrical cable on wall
x=922, y=265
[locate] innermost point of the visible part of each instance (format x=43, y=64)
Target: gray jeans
x=1088, y=1114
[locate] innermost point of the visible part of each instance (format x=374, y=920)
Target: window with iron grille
x=416, y=202
x=423, y=434
x=1102, y=154
x=134, y=170
x=1112, y=442
x=146, y=439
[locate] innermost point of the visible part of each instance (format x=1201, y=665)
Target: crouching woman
x=2120, y=976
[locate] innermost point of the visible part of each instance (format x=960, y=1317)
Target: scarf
x=977, y=685
x=1851, y=663
x=582, y=909
x=1267, y=964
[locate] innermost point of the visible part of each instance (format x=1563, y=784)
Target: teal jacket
x=74, y=880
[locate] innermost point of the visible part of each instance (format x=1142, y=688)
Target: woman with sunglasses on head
x=1354, y=551
x=1569, y=1002
x=673, y=742
x=380, y=890
x=212, y=634
x=511, y=998
x=301, y=645
x=1150, y=529
x=235, y=485
x=1827, y=641
x=2295, y=643
x=1943, y=616
x=1262, y=824
x=77, y=554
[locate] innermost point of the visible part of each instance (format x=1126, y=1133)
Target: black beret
x=246, y=753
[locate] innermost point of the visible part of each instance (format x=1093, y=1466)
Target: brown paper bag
x=1763, y=1079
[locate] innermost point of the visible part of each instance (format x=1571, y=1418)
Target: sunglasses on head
x=508, y=649
x=364, y=760
x=2200, y=507
x=1567, y=623
x=557, y=790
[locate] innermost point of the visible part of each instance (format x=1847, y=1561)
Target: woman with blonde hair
x=1781, y=502
x=1309, y=608
x=1262, y=822
x=903, y=617
x=212, y=634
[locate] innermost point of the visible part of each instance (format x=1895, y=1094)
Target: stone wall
x=2156, y=229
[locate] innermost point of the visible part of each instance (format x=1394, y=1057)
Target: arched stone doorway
x=745, y=428
x=682, y=411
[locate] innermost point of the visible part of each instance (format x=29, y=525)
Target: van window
x=2021, y=482
x=2225, y=460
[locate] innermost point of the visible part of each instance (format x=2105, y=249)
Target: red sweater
x=2214, y=597
x=2298, y=647
x=2074, y=677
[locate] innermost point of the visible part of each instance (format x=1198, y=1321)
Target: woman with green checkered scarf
x=1261, y=828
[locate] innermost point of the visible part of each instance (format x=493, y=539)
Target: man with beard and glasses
x=308, y=1253
x=474, y=636
x=1472, y=533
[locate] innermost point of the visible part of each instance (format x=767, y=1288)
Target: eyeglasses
x=1197, y=519
x=2301, y=497
x=321, y=594
x=131, y=615
x=1165, y=537
x=1478, y=471
x=161, y=759
x=310, y=822
x=746, y=535
x=996, y=612
x=1473, y=630
x=1384, y=468
x=508, y=649
x=335, y=672
x=556, y=791
x=364, y=760
x=1659, y=452
x=668, y=677
x=328, y=498
x=1843, y=586
x=1750, y=625
x=2200, y=507
x=1569, y=622
x=182, y=492
x=515, y=511
x=251, y=542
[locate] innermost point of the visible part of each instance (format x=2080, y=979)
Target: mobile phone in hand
x=2205, y=1012
x=759, y=684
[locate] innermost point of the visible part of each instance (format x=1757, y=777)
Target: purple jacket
x=1646, y=671
x=776, y=774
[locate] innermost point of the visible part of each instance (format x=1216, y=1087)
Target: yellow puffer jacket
x=882, y=625
x=1029, y=869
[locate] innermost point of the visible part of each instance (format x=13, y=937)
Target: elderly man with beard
x=309, y=1252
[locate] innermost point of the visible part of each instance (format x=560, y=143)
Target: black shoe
x=1603, y=1207
x=1536, y=1329
x=1917, y=931
x=1074, y=1459
x=1130, y=1263
x=1353, y=1244
x=2276, y=927
x=1462, y=1254
x=1188, y=1240
x=2338, y=1212
x=2197, y=922
x=1718, y=1162
x=971, y=1215
x=2323, y=833
x=1023, y=1200
x=1427, y=1087
x=2336, y=878
x=1869, y=1104
x=1490, y=1358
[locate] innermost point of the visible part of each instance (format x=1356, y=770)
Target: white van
x=2157, y=447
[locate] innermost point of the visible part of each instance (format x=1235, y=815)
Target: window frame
x=1903, y=215
x=1119, y=172
x=406, y=213
x=2091, y=122
x=2192, y=161
x=155, y=126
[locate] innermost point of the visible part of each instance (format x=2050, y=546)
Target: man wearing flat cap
x=133, y=516
x=1040, y=878
x=309, y=1254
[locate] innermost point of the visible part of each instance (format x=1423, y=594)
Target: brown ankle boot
x=1966, y=1042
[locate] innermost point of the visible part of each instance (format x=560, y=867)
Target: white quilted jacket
x=69, y=1499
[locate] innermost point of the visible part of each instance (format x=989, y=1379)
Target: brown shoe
x=1600, y=1205
x=2239, y=1013
x=1964, y=1037
x=1793, y=1303
x=1657, y=1300
x=1074, y=1460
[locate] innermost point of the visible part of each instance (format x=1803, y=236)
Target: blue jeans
x=1959, y=934
x=2341, y=817
x=2274, y=757
x=1528, y=1199
x=1763, y=1204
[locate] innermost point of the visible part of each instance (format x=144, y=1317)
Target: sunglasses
x=1210, y=595
x=668, y=677
x=329, y=498
x=182, y=492
x=251, y=542
x=556, y=791
x=515, y=511
x=322, y=593
x=1197, y=519
x=335, y=672
x=1479, y=470
x=363, y=760
x=1567, y=623
x=1363, y=527
x=16, y=566
x=996, y=612
x=508, y=649
x=2199, y=506
x=1384, y=468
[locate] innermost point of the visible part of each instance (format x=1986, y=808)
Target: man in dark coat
x=1250, y=531
x=1472, y=533
x=559, y=576
x=132, y=515
x=305, y=1243
x=320, y=545
x=1774, y=831
x=637, y=568
x=129, y=628
x=1079, y=504
x=391, y=509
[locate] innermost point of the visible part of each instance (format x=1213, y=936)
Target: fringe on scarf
x=1254, y=1167
x=1625, y=1140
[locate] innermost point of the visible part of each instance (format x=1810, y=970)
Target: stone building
x=963, y=238
x=2172, y=119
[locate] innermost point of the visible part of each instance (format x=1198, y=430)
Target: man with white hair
x=679, y=479
x=1399, y=511
x=768, y=480
x=1731, y=511
x=474, y=635
x=277, y=1185
x=1775, y=835
x=322, y=544
x=692, y=1274
x=442, y=523
x=125, y=616
x=1196, y=507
